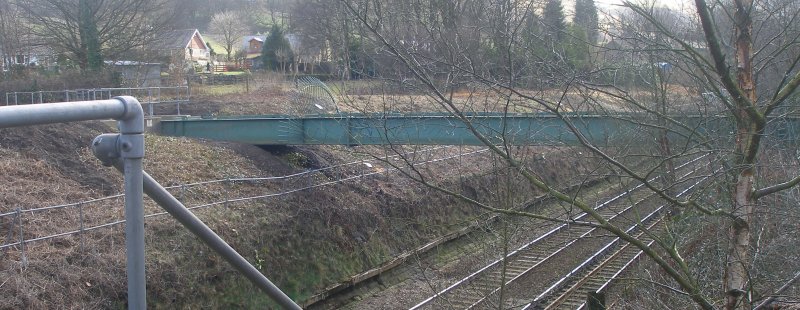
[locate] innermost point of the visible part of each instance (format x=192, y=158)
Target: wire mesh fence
x=79, y=218
x=148, y=96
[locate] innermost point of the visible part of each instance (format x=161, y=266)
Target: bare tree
x=14, y=32
x=671, y=66
x=230, y=26
x=121, y=26
x=327, y=26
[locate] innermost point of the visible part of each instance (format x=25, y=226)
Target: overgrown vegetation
x=303, y=241
x=667, y=73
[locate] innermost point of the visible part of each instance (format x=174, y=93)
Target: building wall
x=255, y=47
x=196, y=43
x=145, y=75
x=197, y=51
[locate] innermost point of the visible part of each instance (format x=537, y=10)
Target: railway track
x=323, y=300
x=571, y=292
x=597, y=272
x=483, y=288
x=341, y=294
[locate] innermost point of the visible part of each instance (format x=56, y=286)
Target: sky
x=609, y=6
x=673, y=4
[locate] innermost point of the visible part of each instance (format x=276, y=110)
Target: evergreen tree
x=576, y=49
x=586, y=18
x=90, y=39
x=532, y=35
x=277, y=51
x=554, y=22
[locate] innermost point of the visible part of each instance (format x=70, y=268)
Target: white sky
x=673, y=4
x=609, y=6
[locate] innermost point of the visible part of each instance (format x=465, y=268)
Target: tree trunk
x=90, y=42
x=736, y=275
x=747, y=145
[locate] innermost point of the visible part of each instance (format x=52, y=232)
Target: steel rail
x=548, y=234
x=468, y=279
x=656, y=217
x=565, y=246
x=330, y=291
x=618, y=272
x=612, y=217
x=605, y=249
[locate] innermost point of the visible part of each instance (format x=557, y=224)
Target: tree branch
x=776, y=188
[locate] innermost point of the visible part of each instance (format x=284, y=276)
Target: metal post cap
x=105, y=148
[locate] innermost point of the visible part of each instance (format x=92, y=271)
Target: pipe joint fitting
x=105, y=148
x=109, y=148
x=132, y=120
x=131, y=145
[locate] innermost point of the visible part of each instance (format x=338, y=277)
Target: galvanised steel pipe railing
x=125, y=151
x=130, y=149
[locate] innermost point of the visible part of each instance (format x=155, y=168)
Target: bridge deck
x=433, y=129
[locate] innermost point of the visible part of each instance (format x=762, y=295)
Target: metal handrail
x=146, y=94
x=130, y=151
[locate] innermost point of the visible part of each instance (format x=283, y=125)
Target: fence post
x=1, y=231
x=150, y=102
x=228, y=186
x=80, y=234
x=24, y=261
x=179, y=97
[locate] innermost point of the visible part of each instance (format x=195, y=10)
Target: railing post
x=129, y=147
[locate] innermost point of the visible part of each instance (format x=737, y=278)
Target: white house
x=185, y=44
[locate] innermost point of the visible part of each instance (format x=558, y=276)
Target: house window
x=21, y=59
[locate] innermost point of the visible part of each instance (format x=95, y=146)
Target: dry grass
x=73, y=271
x=303, y=241
x=355, y=224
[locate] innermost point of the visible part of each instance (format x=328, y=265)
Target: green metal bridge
x=446, y=129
